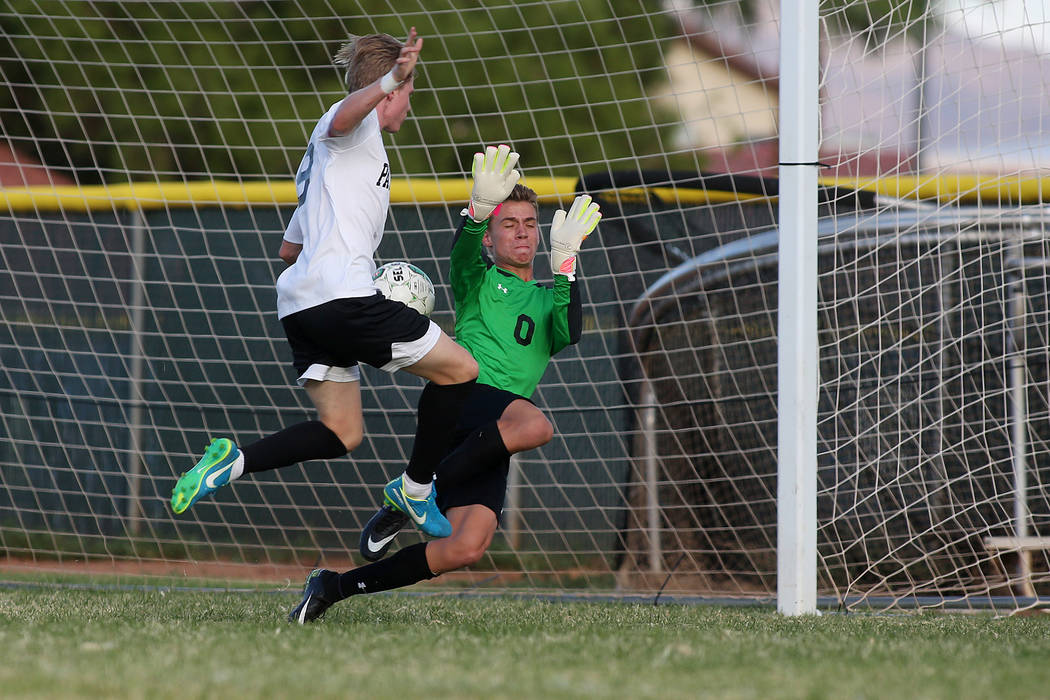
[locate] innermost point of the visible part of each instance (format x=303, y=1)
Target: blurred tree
x=849, y=15
x=156, y=91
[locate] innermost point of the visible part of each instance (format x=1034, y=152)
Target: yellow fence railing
x=949, y=189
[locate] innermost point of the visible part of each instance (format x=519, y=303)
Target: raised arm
x=494, y=178
x=568, y=232
x=466, y=264
x=356, y=106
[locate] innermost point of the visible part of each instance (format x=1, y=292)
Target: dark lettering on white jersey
x=384, y=177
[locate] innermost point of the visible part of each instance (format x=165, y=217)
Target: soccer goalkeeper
x=512, y=325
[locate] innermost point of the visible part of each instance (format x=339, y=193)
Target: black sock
x=479, y=451
x=298, y=443
x=407, y=566
x=436, y=418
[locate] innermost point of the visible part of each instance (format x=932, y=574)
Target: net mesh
x=147, y=156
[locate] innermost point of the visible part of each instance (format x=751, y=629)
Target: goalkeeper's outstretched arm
x=568, y=232
x=494, y=178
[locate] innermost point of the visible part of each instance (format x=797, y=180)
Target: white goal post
x=860, y=421
x=797, y=377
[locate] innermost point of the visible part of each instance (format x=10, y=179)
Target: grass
x=68, y=643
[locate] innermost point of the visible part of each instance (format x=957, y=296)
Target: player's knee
x=542, y=431
x=467, y=551
x=467, y=369
x=472, y=556
x=352, y=439
x=351, y=434
x=536, y=432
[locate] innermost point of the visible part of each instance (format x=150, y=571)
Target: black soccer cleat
x=318, y=595
x=379, y=532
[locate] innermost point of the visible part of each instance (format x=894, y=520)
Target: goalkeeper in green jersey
x=512, y=325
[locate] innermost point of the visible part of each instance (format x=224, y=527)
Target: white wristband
x=389, y=83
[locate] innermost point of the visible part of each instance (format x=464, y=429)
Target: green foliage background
x=117, y=91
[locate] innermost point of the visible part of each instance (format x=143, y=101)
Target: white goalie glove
x=569, y=231
x=494, y=178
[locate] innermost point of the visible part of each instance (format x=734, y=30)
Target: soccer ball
x=404, y=282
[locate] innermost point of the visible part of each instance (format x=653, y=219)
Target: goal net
x=146, y=169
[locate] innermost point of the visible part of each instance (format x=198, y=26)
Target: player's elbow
x=289, y=252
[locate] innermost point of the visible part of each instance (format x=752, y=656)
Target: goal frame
x=798, y=376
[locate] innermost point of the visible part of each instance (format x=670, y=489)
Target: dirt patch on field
x=215, y=570
x=281, y=575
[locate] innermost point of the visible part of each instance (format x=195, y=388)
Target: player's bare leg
x=451, y=372
x=338, y=406
x=473, y=528
x=524, y=427
x=339, y=410
x=446, y=363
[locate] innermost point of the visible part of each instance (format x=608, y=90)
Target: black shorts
x=374, y=330
x=489, y=488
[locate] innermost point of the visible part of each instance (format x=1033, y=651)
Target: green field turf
x=66, y=643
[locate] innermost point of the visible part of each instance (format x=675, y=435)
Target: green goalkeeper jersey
x=511, y=327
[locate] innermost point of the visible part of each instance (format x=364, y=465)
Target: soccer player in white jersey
x=333, y=315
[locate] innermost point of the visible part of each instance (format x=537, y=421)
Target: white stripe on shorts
x=407, y=354
x=326, y=373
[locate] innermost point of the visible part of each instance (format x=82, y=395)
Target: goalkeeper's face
x=513, y=236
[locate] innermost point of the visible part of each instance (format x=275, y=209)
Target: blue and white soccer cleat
x=211, y=472
x=423, y=512
x=319, y=594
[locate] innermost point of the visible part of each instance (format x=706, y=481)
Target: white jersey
x=343, y=185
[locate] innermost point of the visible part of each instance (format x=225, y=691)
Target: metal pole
x=652, y=496
x=1019, y=429
x=135, y=418
x=797, y=310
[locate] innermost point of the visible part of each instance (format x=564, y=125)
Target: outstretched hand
x=494, y=178
x=569, y=231
x=406, y=60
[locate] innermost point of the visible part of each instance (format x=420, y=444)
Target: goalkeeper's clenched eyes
x=511, y=223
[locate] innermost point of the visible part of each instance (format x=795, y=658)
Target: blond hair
x=367, y=58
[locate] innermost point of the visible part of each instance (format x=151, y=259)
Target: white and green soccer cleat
x=212, y=471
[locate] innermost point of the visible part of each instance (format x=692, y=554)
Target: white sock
x=238, y=467
x=415, y=490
